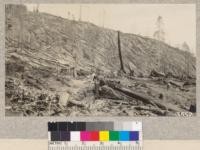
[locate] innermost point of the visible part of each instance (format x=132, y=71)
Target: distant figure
x=132, y=67
x=168, y=86
x=56, y=98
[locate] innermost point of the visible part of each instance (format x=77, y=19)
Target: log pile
x=115, y=90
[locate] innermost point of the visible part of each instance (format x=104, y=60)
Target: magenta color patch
x=85, y=136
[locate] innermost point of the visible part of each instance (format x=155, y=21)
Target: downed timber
x=137, y=96
x=189, y=82
x=148, y=100
x=77, y=103
x=156, y=74
x=144, y=98
x=123, y=102
x=154, y=110
x=116, y=86
x=177, y=84
x=108, y=92
x=120, y=102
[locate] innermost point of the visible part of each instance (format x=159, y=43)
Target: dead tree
x=74, y=49
x=103, y=19
x=57, y=69
x=74, y=55
x=159, y=35
x=186, y=49
x=120, y=53
x=37, y=8
x=80, y=13
x=68, y=15
x=21, y=26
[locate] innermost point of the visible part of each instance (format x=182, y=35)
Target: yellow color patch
x=104, y=135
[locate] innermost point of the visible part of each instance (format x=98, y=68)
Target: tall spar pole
x=120, y=54
x=21, y=29
x=103, y=23
x=80, y=13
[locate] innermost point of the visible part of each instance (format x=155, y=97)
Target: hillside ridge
x=94, y=45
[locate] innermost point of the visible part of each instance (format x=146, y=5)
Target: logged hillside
x=43, y=52
x=52, y=39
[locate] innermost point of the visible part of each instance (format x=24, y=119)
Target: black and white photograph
x=100, y=60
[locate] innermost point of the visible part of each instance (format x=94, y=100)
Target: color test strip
x=103, y=135
x=67, y=126
x=65, y=136
x=134, y=136
x=75, y=136
x=113, y=135
x=85, y=136
x=94, y=126
x=123, y=135
x=94, y=131
x=95, y=136
x=55, y=136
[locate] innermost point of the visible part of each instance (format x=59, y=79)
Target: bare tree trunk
x=188, y=65
x=80, y=13
x=20, y=41
x=37, y=8
x=120, y=54
x=75, y=66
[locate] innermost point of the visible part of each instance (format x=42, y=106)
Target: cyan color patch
x=124, y=136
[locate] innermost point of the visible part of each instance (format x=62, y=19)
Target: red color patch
x=94, y=136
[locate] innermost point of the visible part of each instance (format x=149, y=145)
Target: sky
x=179, y=19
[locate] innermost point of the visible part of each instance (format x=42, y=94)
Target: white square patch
x=75, y=136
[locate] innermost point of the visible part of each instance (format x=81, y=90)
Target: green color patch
x=114, y=136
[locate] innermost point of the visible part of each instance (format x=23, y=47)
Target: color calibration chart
x=95, y=135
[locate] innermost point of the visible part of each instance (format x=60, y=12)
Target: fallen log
x=116, y=86
x=141, y=97
x=110, y=93
x=146, y=99
x=156, y=74
x=161, y=105
x=137, y=96
x=174, y=83
x=154, y=110
x=77, y=103
x=189, y=82
x=122, y=102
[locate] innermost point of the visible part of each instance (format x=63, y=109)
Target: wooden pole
x=120, y=54
x=80, y=13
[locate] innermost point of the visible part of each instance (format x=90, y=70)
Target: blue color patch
x=124, y=136
x=134, y=136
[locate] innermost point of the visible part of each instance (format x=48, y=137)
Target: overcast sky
x=179, y=19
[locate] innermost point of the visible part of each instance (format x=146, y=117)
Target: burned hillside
x=53, y=67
